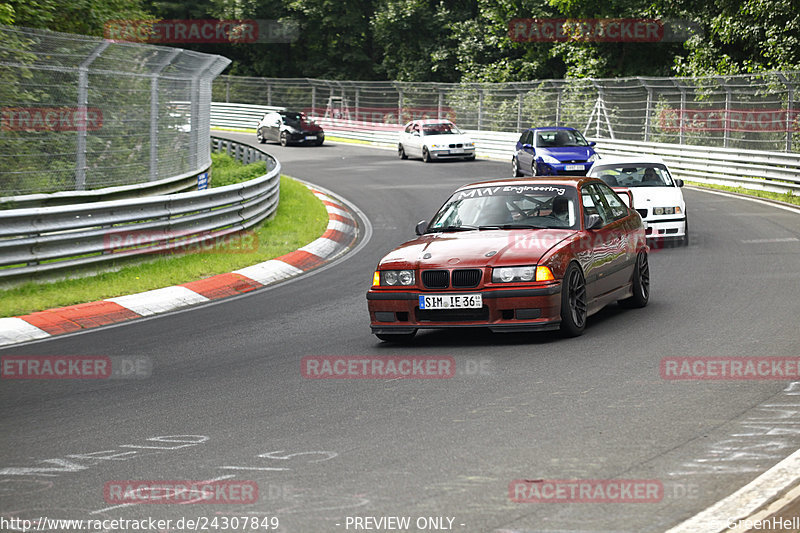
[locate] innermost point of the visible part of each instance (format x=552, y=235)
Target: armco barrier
x=43, y=240
x=182, y=183
x=751, y=169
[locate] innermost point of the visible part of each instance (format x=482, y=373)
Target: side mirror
x=415, y=133
x=592, y=143
x=527, y=146
x=422, y=225
x=678, y=182
x=594, y=221
x=276, y=123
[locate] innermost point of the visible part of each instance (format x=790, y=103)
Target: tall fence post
x=648, y=109
x=400, y=106
x=440, y=104
x=480, y=108
x=154, y=112
x=789, y=109
x=83, y=102
x=195, y=110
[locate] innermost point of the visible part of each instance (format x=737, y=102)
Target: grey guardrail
x=751, y=169
x=181, y=183
x=44, y=240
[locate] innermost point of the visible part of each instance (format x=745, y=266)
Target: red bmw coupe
x=514, y=255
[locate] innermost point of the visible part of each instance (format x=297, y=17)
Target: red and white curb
x=339, y=236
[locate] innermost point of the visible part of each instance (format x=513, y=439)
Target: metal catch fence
x=80, y=113
x=755, y=112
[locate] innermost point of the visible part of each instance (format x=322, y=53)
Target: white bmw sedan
x=434, y=139
x=657, y=196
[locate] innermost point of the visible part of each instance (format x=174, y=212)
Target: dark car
x=556, y=151
x=514, y=255
x=289, y=127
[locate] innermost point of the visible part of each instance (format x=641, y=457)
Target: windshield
x=443, y=128
x=652, y=175
x=292, y=119
x=509, y=207
x=559, y=138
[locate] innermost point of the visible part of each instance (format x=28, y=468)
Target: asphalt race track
x=226, y=398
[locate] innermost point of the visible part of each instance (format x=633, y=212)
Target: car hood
x=474, y=249
x=644, y=197
x=568, y=153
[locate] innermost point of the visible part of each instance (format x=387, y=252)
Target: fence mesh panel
x=755, y=111
x=81, y=113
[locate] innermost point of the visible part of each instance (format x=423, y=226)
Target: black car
x=289, y=127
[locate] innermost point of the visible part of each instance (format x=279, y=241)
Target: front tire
x=641, y=283
x=515, y=167
x=534, y=171
x=426, y=156
x=284, y=138
x=398, y=338
x=260, y=136
x=401, y=152
x=685, y=241
x=573, y=302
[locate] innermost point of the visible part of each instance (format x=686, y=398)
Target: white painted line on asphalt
x=322, y=247
x=744, y=502
x=159, y=300
x=789, y=208
x=766, y=241
x=269, y=271
x=14, y=330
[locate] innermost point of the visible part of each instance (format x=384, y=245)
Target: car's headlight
x=437, y=146
x=549, y=159
x=469, y=145
x=667, y=210
x=593, y=158
x=393, y=278
x=511, y=274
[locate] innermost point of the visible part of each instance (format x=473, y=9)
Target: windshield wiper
x=513, y=226
x=453, y=228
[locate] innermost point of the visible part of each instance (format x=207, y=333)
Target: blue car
x=555, y=151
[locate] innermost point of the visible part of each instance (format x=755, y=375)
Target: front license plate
x=574, y=167
x=311, y=137
x=457, y=151
x=450, y=301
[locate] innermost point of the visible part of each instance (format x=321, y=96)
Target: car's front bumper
x=563, y=169
x=306, y=137
x=448, y=153
x=511, y=309
x=667, y=228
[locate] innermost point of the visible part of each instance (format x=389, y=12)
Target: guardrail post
x=520, y=97
x=313, y=98
x=440, y=103
x=83, y=102
x=357, y=102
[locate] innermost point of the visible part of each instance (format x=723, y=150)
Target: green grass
x=787, y=197
x=225, y=170
x=300, y=219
